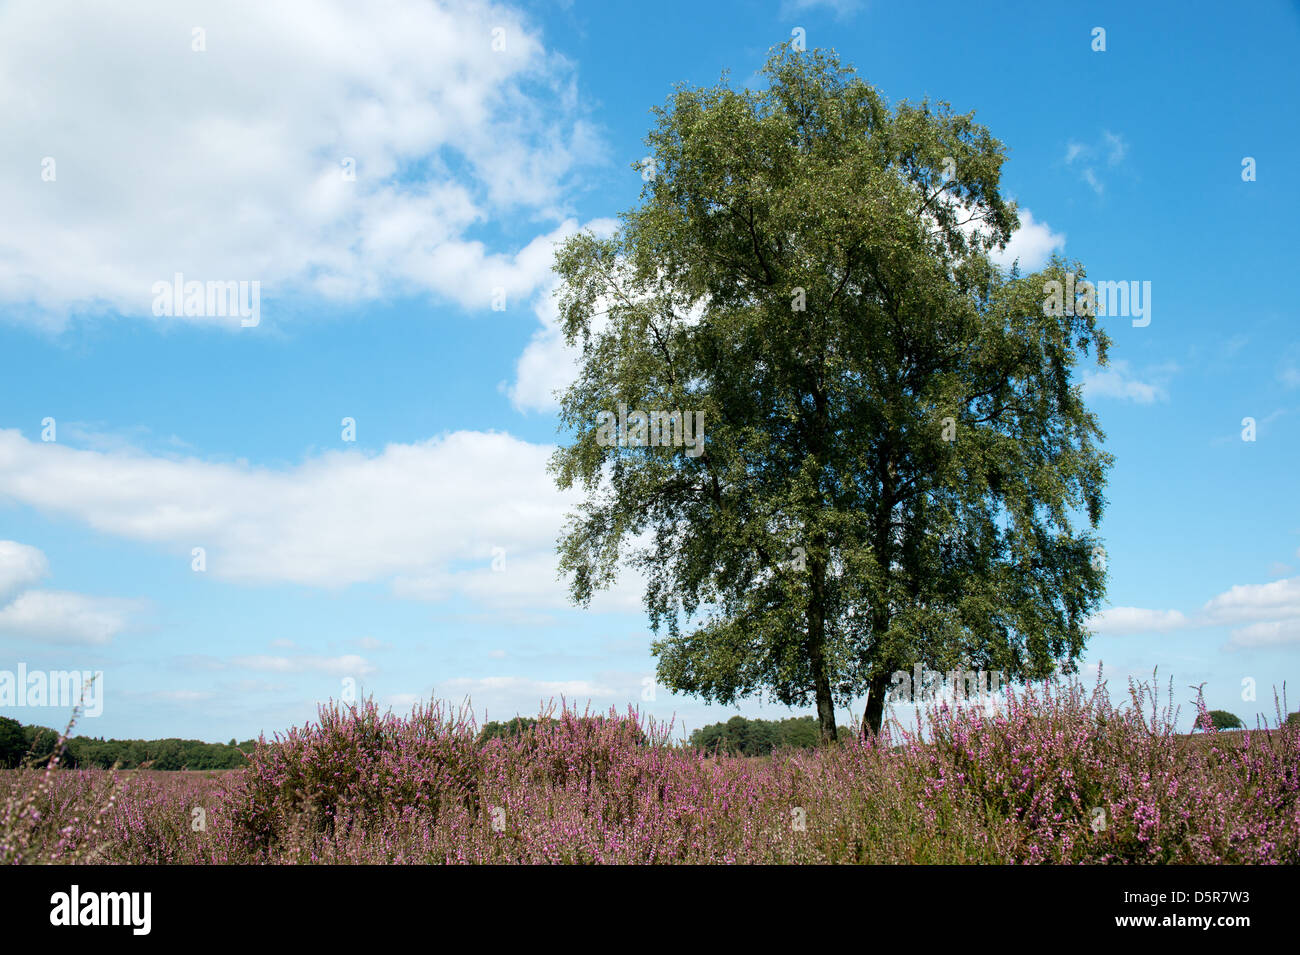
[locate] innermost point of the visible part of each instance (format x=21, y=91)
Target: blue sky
x=223, y=154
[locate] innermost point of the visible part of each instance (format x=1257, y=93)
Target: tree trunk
x=875, y=714
x=817, y=649
x=883, y=545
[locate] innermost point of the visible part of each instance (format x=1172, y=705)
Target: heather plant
x=1058, y=773
x=354, y=767
x=1085, y=780
x=40, y=817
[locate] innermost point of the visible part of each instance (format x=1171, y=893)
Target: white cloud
x=1033, y=244
x=426, y=515
x=1269, y=633
x=547, y=364
x=1085, y=157
x=346, y=665
x=1270, y=612
x=1128, y=620
x=227, y=163
x=61, y=617
x=53, y=615
x=1117, y=380
x=338, y=518
x=403, y=702
x=503, y=697
x=1116, y=147
x=20, y=566
x=527, y=580
x=1245, y=602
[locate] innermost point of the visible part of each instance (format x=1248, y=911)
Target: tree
x=884, y=453
x=13, y=743
x=41, y=742
x=746, y=737
x=1223, y=720
x=515, y=727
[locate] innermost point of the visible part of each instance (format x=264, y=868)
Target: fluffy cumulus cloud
x=20, y=566
x=1259, y=615
x=468, y=513
x=1031, y=245
x=228, y=154
x=53, y=616
x=548, y=365
x=1256, y=601
x=1267, y=633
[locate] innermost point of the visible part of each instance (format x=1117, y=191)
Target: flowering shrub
x=1083, y=780
x=1057, y=774
x=354, y=769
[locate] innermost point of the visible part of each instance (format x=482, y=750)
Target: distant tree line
x=504, y=730
x=745, y=737
x=521, y=725
x=21, y=744
x=1223, y=720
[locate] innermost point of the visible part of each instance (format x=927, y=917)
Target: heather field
x=1059, y=774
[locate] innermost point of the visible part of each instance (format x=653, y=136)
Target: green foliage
x=523, y=725
x=514, y=727
x=1223, y=720
x=86, y=752
x=745, y=737
x=13, y=743
x=40, y=743
x=895, y=449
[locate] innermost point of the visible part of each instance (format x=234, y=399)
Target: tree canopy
x=892, y=461
x=13, y=743
x=746, y=737
x=1223, y=720
x=88, y=752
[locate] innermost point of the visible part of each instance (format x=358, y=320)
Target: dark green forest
x=745, y=737
x=21, y=744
